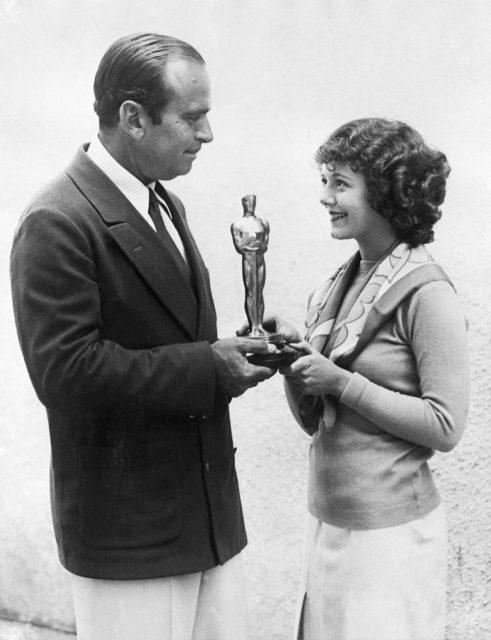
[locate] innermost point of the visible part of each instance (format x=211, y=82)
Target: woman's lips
x=337, y=215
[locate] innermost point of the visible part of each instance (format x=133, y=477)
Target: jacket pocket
x=128, y=496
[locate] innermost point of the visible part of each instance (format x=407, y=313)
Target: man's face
x=168, y=149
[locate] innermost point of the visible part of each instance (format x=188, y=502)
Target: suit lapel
x=155, y=261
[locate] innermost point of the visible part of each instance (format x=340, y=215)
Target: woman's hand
x=274, y=323
x=315, y=374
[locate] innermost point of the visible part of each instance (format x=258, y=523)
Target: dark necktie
x=156, y=216
x=154, y=213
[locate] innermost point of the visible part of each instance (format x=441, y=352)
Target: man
x=118, y=330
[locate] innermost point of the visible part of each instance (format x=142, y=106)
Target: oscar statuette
x=250, y=235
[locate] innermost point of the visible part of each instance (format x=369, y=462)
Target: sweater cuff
x=353, y=391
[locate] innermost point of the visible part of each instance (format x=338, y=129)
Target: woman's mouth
x=336, y=215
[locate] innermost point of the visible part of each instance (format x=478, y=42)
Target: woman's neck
x=377, y=247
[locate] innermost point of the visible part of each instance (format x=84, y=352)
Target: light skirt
x=211, y=605
x=375, y=584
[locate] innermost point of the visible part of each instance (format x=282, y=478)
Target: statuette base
x=282, y=358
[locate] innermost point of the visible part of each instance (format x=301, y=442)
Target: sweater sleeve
x=436, y=330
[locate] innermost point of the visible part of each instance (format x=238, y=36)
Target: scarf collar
x=335, y=335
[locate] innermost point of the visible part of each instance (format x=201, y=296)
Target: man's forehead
x=188, y=85
x=185, y=71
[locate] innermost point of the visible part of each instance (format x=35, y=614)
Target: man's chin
x=185, y=167
x=175, y=172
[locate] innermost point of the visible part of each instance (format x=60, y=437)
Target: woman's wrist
x=341, y=382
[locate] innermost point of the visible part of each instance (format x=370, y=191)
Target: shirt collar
x=134, y=190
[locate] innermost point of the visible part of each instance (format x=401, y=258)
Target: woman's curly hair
x=405, y=179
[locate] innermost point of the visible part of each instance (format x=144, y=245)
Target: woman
x=381, y=383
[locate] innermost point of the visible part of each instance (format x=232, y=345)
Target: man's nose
x=205, y=134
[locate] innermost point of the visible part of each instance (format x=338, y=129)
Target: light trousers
x=210, y=605
x=376, y=584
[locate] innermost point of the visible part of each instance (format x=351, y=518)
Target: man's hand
x=234, y=373
x=274, y=324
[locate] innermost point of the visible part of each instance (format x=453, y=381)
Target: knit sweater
x=407, y=397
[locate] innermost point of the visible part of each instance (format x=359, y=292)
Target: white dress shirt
x=134, y=190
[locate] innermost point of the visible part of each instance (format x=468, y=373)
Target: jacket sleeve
x=436, y=330
x=58, y=316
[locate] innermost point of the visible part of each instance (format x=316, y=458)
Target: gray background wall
x=284, y=74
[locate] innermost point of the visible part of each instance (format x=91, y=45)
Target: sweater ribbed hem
x=376, y=518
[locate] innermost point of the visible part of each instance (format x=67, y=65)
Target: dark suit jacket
x=116, y=339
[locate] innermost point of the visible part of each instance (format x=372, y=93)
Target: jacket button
x=207, y=466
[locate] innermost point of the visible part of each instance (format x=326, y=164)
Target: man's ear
x=133, y=118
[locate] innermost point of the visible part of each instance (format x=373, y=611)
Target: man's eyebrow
x=191, y=111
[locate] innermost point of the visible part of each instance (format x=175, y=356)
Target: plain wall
x=284, y=74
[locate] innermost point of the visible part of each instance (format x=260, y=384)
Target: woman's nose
x=327, y=197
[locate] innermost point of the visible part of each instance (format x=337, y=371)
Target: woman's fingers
x=302, y=346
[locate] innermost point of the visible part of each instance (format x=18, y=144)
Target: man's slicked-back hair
x=132, y=69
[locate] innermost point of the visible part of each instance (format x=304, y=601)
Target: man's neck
x=122, y=153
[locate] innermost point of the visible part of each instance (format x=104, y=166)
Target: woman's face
x=344, y=194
